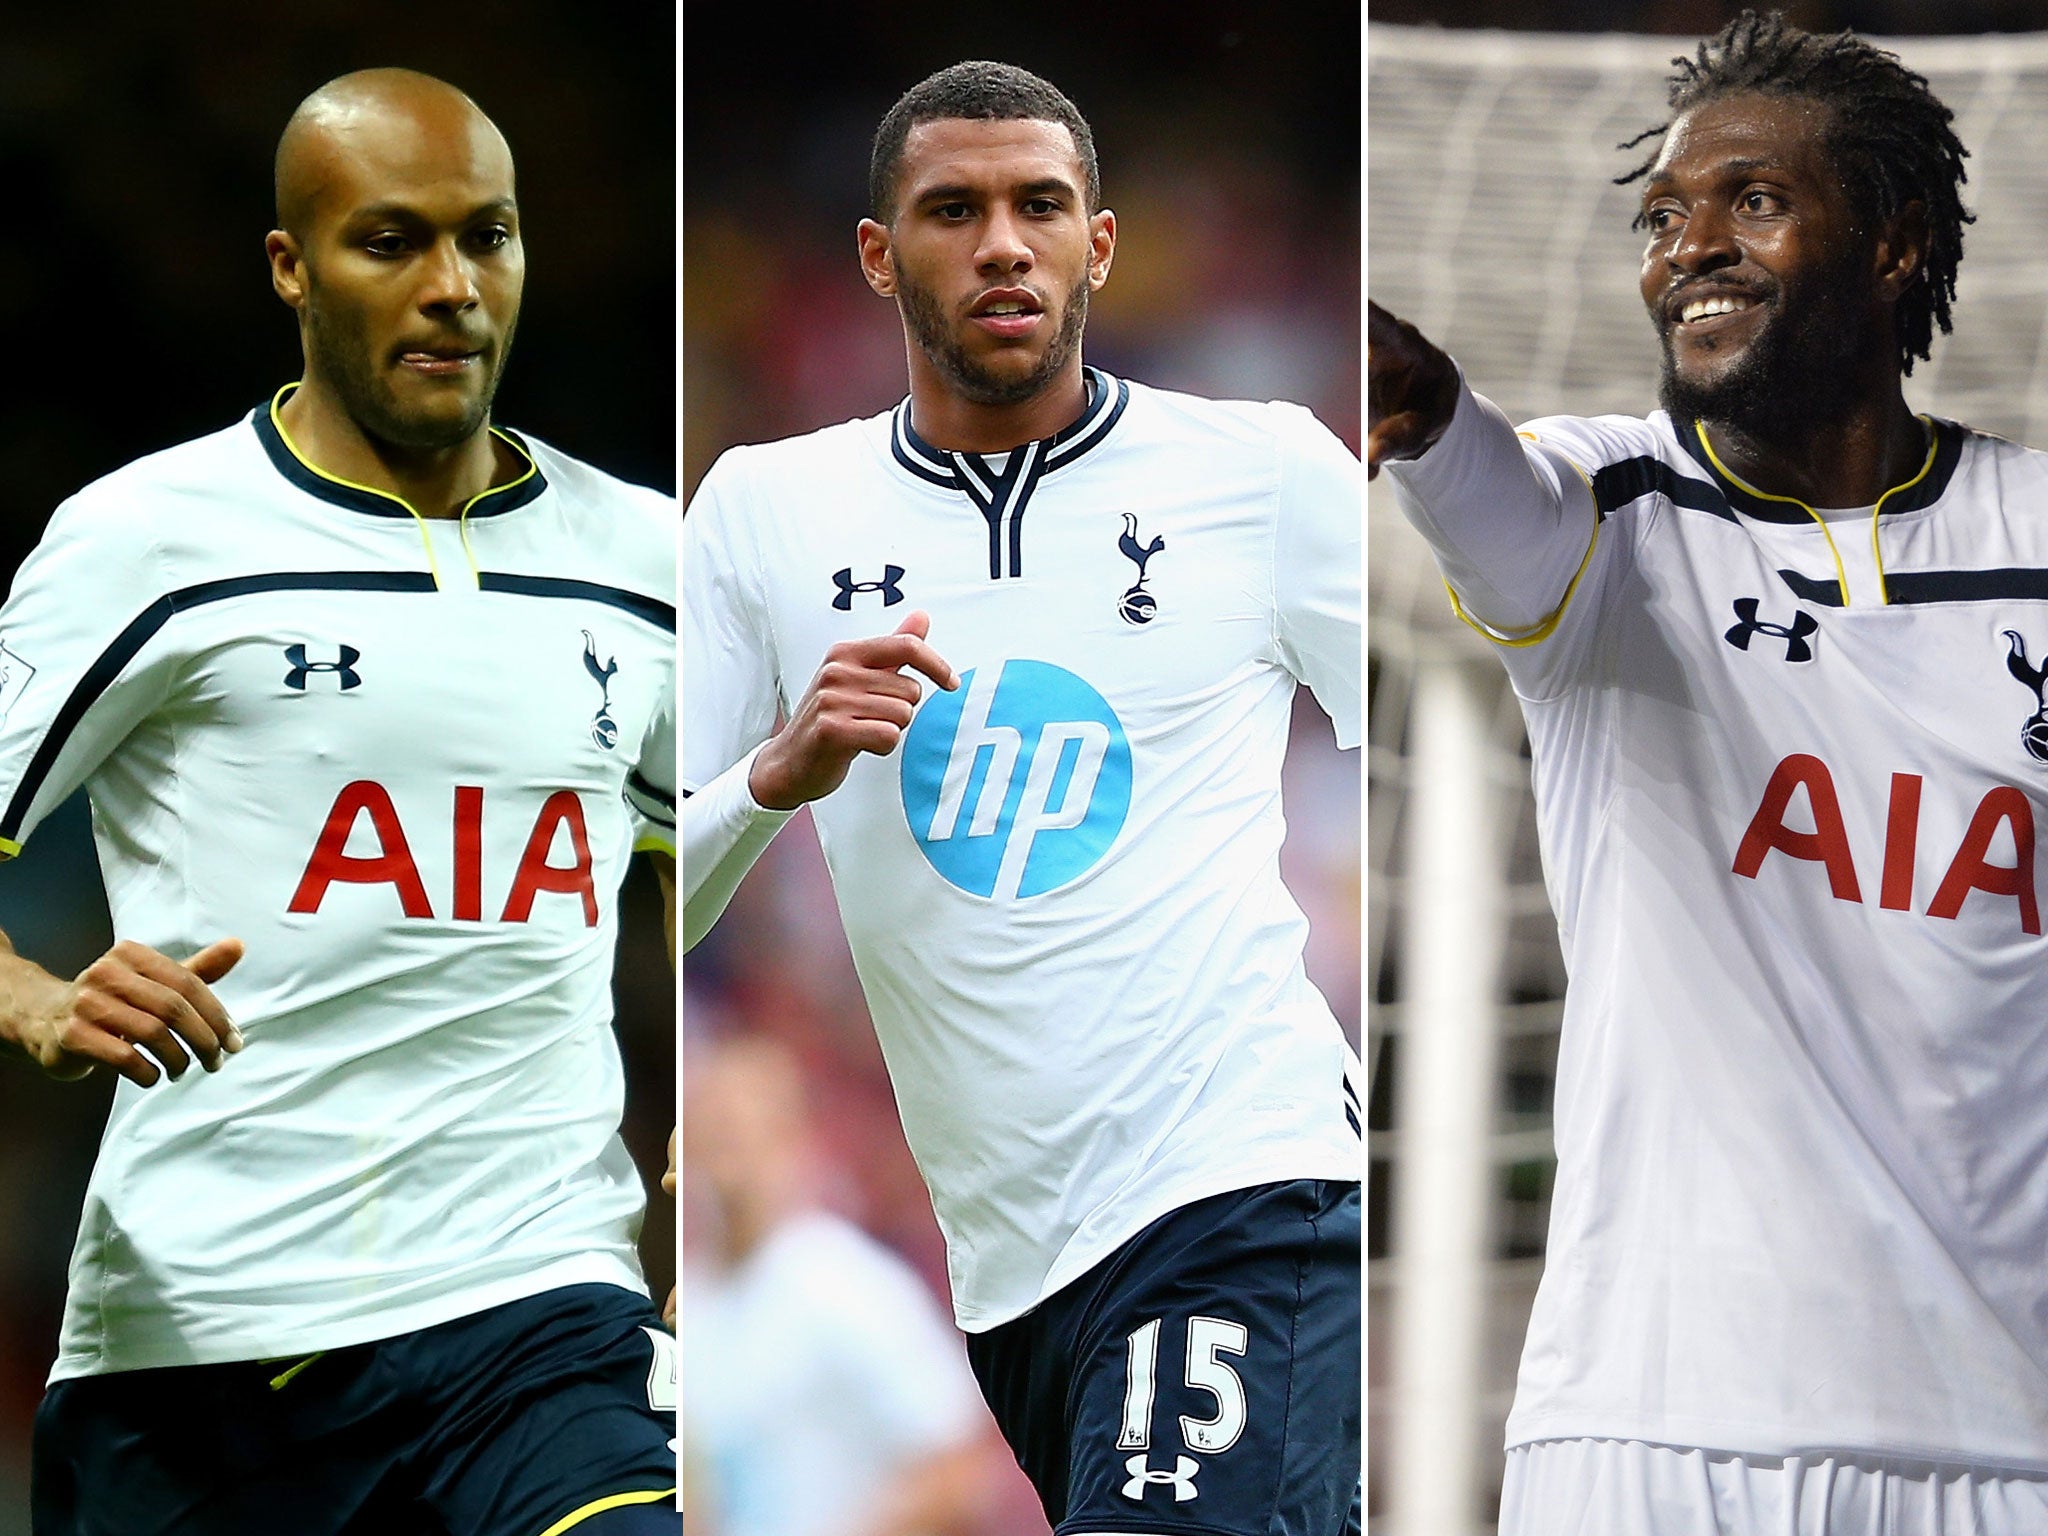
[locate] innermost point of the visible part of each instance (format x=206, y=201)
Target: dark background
x=136, y=312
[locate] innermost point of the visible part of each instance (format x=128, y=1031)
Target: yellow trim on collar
x=1884, y=596
x=461, y=517
x=599, y=1506
x=9, y=848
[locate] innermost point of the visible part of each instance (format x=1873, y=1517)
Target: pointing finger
x=922, y=658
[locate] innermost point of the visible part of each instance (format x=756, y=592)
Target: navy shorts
x=1203, y=1380
x=541, y=1417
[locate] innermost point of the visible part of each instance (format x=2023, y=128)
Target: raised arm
x=1411, y=389
x=1511, y=517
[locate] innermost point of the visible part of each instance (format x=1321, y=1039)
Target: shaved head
x=398, y=245
x=374, y=116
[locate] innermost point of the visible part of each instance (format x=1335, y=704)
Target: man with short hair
x=388, y=692
x=1057, y=866
x=1778, y=651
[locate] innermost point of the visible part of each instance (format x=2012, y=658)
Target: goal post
x=1494, y=224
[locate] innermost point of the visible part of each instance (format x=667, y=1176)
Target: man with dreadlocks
x=1779, y=647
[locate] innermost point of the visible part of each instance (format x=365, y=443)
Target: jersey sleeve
x=729, y=675
x=730, y=699
x=1515, y=526
x=651, y=783
x=724, y=832
x=78, y=668
x=1318, y=559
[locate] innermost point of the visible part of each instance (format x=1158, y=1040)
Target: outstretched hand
x=860, y=701
x=1411, y=389
x=134, y=999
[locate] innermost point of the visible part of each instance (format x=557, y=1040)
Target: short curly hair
x=1887, y=131
x=980, y=90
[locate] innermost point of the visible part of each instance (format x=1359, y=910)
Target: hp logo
x=1018, y=782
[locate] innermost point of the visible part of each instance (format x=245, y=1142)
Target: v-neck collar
x=1001, y=494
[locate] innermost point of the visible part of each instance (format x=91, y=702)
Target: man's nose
x=447, y=280
x=1003, y=247
x=1705, y=244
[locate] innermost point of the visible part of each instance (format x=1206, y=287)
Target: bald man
x=374, y=701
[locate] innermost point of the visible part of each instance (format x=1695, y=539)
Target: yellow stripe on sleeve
x=599, y=1506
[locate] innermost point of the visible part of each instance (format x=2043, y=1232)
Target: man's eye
x=1041, y=205
x=953, y=211
x=493, y=237
x=1660, y=219
x=386, y=245
x=1758, y=202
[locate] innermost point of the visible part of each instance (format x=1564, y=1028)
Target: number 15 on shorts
x=1209, y=1339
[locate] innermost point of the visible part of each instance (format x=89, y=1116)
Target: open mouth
x=1701, y=311
x=1008, y=313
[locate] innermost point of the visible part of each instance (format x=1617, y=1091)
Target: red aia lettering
x=469, y=854
x=1828, y=841
x=1972, y=871
x=1828, y=844
x=394, y=865
x=537, y=874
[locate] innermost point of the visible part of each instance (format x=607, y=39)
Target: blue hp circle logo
x=1018, y=781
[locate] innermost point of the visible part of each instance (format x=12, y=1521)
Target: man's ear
x=1101, y=246
x=287, y=267
x=1902, y=251
x=877, y=257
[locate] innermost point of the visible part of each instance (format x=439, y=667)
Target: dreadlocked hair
x=1887, y=131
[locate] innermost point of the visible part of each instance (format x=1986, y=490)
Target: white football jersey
x=1790, y=770
x=405, y=761
x=1062, y=891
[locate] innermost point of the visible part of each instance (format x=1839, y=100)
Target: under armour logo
x=1181, y=1479
x=2034, y=734
x=604, y=730
x=345, y=667
x=1137, y=605
x=1794, y=635
x=887, y=586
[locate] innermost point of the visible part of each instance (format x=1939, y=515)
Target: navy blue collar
x=1002, y=495
x=1945, y=452
x=309, y=477
x=1107, y=398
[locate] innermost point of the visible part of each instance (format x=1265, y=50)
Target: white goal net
x=1494, y=225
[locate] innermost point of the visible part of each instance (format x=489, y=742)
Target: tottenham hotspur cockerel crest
x=2034, y=734
x=1138, y=606
x=604, y=730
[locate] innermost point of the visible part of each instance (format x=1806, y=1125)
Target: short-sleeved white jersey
x=1791, y=773
x=1062, y=892
x=406, y=762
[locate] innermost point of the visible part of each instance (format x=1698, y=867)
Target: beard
x=340, y=351
x=1805, y=364
x=924, y=316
